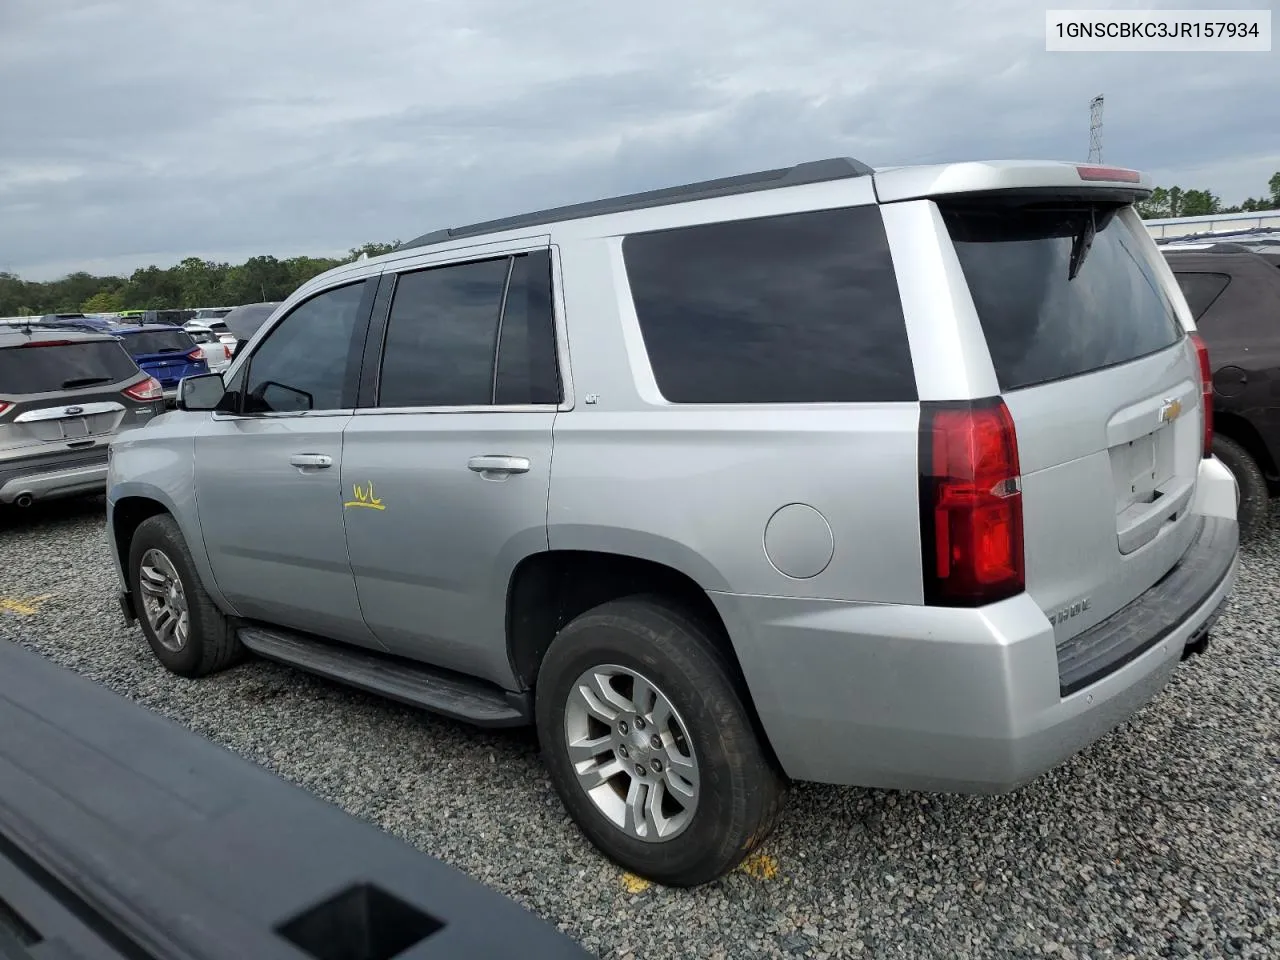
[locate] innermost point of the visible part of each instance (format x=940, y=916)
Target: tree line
x=191, y=283
x=1177, y=202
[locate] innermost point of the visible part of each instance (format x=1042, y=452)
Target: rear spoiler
x=1067, y=180
x=123, y=835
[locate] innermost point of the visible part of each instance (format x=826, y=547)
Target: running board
x=406, y=681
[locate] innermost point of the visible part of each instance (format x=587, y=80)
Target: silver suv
x=64, y=394
x=894, y=478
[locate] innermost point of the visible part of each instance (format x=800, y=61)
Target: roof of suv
x=125, y=330
x=815, y=171
x=892, y=183
x=14, y=336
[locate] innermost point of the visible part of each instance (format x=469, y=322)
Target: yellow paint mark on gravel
x=760, y=866
x=633, y=884
x=23, y=607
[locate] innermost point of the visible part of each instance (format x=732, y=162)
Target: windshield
x=38, y=369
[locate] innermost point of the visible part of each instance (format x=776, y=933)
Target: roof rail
x=813, y=171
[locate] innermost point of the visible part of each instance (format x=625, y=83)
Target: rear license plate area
x=74, y=428
x=1141, y=467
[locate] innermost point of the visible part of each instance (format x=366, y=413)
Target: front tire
x=1255, y=496
x=187, y=633
x=650, y=746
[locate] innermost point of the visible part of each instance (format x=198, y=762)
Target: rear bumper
x=47, y=478
x=926, y=698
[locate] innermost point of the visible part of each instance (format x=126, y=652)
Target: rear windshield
x=1052, y=304
x=158, y=341
x=65, y=367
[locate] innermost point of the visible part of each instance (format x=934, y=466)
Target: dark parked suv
x=63, y=395
x=1234, y=295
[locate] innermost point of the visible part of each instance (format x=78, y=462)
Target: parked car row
x=64, y=393
x=1232, y=287
x=897, y=478
x=69, y=382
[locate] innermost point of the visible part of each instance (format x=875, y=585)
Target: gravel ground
x=1163, y=840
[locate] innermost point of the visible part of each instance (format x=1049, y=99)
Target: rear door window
x=1042, y=323
x=1201, y=290
x=801, y=308
x=69, y=366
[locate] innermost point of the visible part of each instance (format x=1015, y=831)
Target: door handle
x=496, y=464
x=311, y=460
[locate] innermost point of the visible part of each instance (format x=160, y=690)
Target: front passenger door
x=269, y=474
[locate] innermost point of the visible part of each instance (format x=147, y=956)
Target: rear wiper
x=83, y=382
x=1081, y=243
x=168, y=350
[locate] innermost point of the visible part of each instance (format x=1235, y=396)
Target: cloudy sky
x=144, y=131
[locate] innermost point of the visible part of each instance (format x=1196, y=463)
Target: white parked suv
x=895, y=478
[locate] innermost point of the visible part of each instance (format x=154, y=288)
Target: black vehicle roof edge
x=813, y=171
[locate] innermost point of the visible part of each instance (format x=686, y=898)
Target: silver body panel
x=800, y=521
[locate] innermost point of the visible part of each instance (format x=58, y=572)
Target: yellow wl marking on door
x=364, y=498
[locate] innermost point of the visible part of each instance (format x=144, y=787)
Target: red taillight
x=1206, y=392
x=970, y=503
x=5, y=408
x=226, y=351
x=47, y=343
x=1119, y=174
x=146, y=391
x=195, y=355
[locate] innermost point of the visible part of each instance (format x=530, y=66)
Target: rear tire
x=1255, y=496
x=683, y=789
x=188, y=634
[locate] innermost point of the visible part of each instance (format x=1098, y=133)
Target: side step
x=416, y=684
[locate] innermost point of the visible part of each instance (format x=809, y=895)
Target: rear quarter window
x=1201, y=290
x=801, y=308
x=1042, y=324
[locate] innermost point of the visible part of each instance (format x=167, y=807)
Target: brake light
x=226, y=351
x=970, y=503
x=5, y=408
x=1119, y=174
x=149, y=389
x=1206, y=393
x=47, y=343
x=195, y=355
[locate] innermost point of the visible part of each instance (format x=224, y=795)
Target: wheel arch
x=547, y=590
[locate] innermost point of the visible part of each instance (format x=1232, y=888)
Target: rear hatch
x=1102, y=383
x=168, y=355
x=58, y=396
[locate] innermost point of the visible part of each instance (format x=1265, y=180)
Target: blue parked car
x=166, y=352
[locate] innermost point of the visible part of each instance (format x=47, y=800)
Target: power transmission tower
x=1095, y=129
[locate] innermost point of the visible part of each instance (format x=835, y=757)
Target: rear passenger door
x=446, y=471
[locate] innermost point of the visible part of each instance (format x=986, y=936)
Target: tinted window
x=311, y=359
x=441, y=336
x=1040, y=323
x=527, y=370
x=801, y=308
x=158, y=341
x=65, y=367
x=1201, y=289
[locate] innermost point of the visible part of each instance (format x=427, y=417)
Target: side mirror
x=202, y=392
